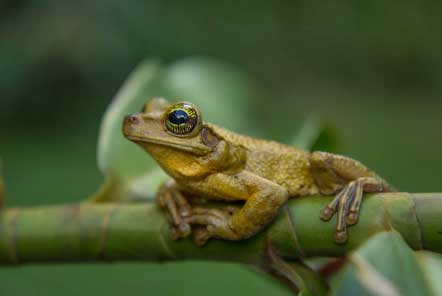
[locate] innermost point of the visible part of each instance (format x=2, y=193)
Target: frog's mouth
x=196, y=149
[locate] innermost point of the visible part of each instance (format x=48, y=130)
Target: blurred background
x=373, y=70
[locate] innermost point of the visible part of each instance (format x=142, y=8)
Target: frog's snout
x=131, y=124
x=131, y=119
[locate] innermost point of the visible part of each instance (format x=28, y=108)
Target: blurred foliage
x=72, y=56
x=386, y=265
x=372, y=69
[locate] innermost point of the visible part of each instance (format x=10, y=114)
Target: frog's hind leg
x=351, y=179
x=177, y=207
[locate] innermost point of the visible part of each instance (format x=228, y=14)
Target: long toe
x=326, y=213
x=352, y=218
x=341, y=236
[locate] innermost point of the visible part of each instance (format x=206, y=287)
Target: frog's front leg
x=214, y=220
x=350, y=179
x=263, y=199
x=170, y=198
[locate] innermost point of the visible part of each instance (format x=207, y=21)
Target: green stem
x=112, y=232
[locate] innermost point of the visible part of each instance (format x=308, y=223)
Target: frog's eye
x=182, y=119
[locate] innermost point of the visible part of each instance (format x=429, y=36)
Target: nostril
x=131, y=119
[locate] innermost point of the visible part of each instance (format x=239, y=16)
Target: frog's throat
x=200, y=149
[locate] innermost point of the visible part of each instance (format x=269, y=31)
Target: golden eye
x=182, y=119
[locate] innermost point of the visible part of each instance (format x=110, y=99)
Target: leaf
x=297, y=275
x=384, y=265
x=221, y=90
x=313, y=284
x=316, y=135
x=116, y=155
x=431, y=264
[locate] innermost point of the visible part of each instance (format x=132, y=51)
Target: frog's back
x=282, y=164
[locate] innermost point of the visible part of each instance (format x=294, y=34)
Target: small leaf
x=221, y=90
x=299, y=276
x=384, y=265
x=431, y=264
x=316, y=135
x=313, y=283
x=116, y=155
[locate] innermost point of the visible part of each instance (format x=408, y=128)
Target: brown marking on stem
x=12, y=241
x=419, y=225
x=71, y=211
x=104, y=231
x=386, y=218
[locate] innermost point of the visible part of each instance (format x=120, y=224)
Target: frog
x=210, y=161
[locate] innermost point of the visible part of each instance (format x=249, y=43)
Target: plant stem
x=139, y=231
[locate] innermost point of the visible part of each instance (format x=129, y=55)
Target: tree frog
x=207, y=160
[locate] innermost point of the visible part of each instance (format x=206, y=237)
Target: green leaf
x=297, y=275
x=384, y=265
x=431, y=265
x=117, y=156
x=221, y=90
x=313, y=284
x=316, y=135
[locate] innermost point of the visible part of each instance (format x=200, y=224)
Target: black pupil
x=178, y=117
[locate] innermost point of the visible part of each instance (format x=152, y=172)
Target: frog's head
x=162, y=126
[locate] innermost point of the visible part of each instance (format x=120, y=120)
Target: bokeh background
x=372, y=70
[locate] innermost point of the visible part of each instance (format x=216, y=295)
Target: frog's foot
x=341, y=204
x=347, y=204
x=177, y=208
x=216, y=222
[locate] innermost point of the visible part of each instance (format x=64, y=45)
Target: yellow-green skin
x=216, y=163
